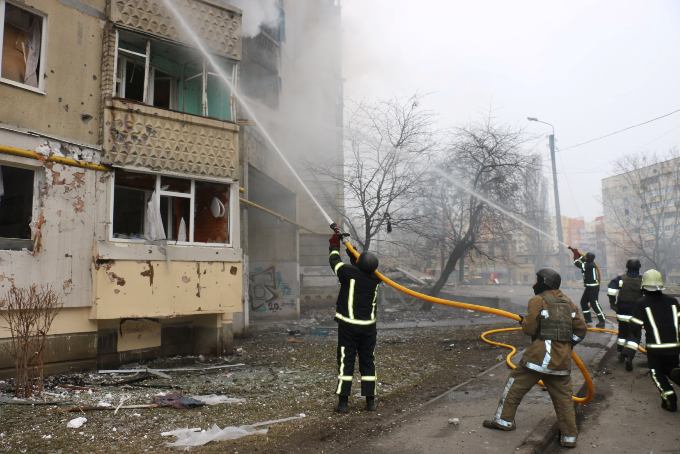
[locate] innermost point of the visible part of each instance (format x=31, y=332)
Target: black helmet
x=368, y=262
x=633, y=265
x=549, y=277
x=590, y=256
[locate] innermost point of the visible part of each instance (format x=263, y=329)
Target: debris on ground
x=198, y=437
x=76, y=423
x=178, y=401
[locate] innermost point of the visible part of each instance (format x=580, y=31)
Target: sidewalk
x=428, y=429
x=626, y=415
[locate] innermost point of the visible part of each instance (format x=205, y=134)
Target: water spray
x=220, y=72
x=496, y=206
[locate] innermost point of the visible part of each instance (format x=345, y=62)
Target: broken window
x=21, y=45
x=159, y=207
x=16, y=207
x=173, y=77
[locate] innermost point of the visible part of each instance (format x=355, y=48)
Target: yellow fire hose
x=484, y=336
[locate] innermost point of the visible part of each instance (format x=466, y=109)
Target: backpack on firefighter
x=555, y=322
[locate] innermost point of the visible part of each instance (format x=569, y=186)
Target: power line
x=619, y=131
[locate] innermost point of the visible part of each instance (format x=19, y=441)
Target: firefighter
x=628, y=293
x=658, y=314
x=591, y=283
x=555, y=326
x=356, y=316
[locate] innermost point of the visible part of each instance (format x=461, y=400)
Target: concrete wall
x=69, y=105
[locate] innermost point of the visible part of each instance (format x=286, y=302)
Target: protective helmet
x=633, y=265
x=368, y=262
x=549, y=277
x=590, y=256
x=652, y=281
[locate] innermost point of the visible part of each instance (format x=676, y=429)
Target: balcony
x=139, y=135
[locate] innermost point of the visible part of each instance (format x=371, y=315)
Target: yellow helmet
x=652, y=281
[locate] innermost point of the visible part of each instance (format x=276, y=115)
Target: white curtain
x=153, y=222
x=33, y=56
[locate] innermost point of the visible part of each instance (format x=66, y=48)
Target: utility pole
x=558, y=213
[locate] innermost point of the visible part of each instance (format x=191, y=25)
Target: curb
x=547, y=429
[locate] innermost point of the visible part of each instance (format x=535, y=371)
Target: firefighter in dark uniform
x=555, y=326
x=355, y=314
x=658, y=314
x=591, y=282
x=627, y=291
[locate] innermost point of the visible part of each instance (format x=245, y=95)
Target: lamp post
x=558, y=213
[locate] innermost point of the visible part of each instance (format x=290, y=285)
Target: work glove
x=575, y=252
x=521, y=319
x=334, y=242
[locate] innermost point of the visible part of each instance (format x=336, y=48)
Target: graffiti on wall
x=268, y=291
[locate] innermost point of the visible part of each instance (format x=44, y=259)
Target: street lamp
x=558, y=213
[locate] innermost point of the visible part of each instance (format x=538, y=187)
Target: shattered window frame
x=42, y=58
x=18, y=244
x=230, y=209
x=179, y=91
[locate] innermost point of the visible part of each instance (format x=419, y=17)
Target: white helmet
x=652, y=281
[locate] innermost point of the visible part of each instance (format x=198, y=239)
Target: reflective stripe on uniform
x=675, y=321
x=546, y=358
x=350, y=299
x=368, y=378
x=353, y=321
x=623, y=318
x=667, y=393
x=341, y=367
x=650, y=316
x=575, y=338
x=375, y=301
x=632, y=345
x=337, y=267
x=620, y=341
x=568, y=439
x=345, y=377
x=598, y=309
x=573, y=315
x=612, y=291
x=637, y=321
x=334, y=252
x=596, y=284
x=501, y=402
x=667, y=345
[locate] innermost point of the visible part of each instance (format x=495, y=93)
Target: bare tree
x=29, y=313
x=481, y=160
x=644, y=212
x=387, y=144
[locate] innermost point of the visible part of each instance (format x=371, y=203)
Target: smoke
x=257, y=13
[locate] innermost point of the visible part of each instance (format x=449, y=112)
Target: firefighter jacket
x=551, y=356
x=591, y=275
x=659, y=314
x=358, y=295
x=630, y=290
x=614, y=286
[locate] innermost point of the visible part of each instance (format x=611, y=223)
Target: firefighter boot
x=343, y=404
x=493, y=424
x=370, y=403
x=567, y=441
x=670, y=404
x=629, y=362
x=600, y=323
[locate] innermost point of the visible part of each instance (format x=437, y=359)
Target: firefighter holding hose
x=555, y=326
x=355, y=314
x=591, y=283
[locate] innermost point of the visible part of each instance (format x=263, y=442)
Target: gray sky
x=588, y=67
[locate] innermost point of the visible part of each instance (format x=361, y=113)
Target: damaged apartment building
x=119, y=158
x=130, y=186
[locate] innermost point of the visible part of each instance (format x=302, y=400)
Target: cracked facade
x=124, y=161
